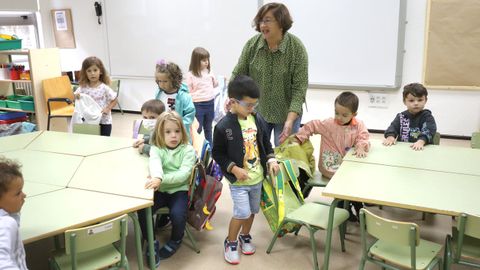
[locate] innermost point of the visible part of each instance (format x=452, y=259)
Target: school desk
x=432, y=157
x=77, y=144
x=17, y=141
x=53, y=159
x=34, y=189
x=388, y=181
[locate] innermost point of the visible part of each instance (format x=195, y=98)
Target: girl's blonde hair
x=198, y=54
x=87, y=63
x=172, y=70
x=158, y=134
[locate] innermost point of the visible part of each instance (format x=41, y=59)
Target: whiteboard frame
x=402, y=21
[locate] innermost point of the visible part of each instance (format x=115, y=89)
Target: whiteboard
x=351, y=43
x=142, y=31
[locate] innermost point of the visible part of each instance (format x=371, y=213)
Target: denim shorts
x=246, y=200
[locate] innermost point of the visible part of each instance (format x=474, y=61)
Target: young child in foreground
x=242, y=149
x=12, y=253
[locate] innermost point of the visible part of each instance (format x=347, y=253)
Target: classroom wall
x=456, y=112
x=90, y=37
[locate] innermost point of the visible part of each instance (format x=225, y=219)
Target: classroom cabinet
x=42, y=64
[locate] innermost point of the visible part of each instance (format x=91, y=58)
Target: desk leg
x=328, y=240
x=151, y=260
x=138, y=240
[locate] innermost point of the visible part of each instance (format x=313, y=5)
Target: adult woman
x=278, y=62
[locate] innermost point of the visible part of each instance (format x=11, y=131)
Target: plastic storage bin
x=3, y=103
x=27, y=105
x=11, y=115
x=12, y=104
x=10, y=44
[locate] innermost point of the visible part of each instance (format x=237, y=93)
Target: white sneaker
x=231, y=252
x=246, y=244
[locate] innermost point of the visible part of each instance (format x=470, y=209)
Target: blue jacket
x=183, y=105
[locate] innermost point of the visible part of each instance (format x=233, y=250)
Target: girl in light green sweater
x=171, y=162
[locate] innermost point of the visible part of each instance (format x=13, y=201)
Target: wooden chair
x=191, y=189
x=397, y=245
x=92, y=247
x=463, y=245
x=59, y=98
x=115, y=85
x=314, y=216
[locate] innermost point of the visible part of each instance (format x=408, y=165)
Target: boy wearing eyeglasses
x=242, y=149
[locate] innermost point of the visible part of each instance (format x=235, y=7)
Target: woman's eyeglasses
x=266, y=21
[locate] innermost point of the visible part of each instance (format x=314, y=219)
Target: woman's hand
x=287, y=130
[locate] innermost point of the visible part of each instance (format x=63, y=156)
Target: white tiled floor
x=290, y=252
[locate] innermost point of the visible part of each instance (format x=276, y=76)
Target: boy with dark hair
x=12, y=253
x=416, y=124
x=242, y=149
x=151, y=109
x=339, y=135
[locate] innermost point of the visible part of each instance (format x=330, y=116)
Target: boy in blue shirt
x=242, y=149
x=416, y=124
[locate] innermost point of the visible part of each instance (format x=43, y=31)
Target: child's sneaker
x=245, y=241
x=156, y=246
x=231, y=252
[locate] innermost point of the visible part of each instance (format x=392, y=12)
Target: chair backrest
x=470, y=225
x=139, y=128
x=475, y=141
x=96, y=236
x=436, y=138
x=58, y=87
x=115, y=85
x=90, y=129
x=396, y=232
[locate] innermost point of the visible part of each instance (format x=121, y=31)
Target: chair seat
x=318, y=180
x=317, y=215
x=470, y=247
x=95, y=259
x=63, y=111
x=400, y=255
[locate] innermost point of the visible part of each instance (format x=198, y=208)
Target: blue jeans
x=246, y=200
x=278, y=128
x=205, y=112
x=177, y=203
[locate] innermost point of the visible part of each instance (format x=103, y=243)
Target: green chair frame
x=314, y=216
x=397, y=244
x=318, y=180
x=92, y=247
x=166, y=211
x=115, y=85
x=463, y=245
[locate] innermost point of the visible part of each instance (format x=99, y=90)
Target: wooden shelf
x=15, y=52
x=15, y=110
x=14, y=81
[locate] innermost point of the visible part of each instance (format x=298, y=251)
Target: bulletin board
x=63, y=28
x=452, y=47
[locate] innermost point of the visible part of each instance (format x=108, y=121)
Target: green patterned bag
x=281, y=198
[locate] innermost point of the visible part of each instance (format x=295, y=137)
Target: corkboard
x=452, y=48
x=63, y=28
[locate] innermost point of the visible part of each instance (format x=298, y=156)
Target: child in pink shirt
x=339, y=135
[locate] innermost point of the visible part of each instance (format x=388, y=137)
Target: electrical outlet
x=378, y=100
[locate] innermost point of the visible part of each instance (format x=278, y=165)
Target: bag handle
x=292, y=176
